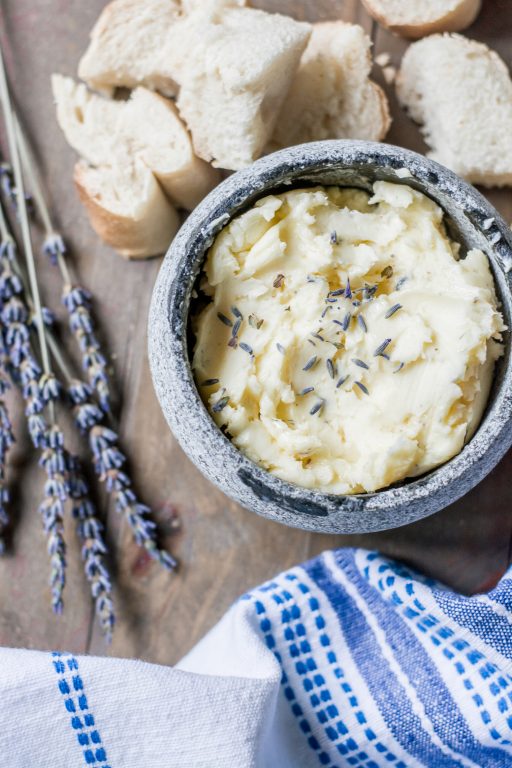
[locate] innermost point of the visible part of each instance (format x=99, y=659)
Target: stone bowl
x=470, y=219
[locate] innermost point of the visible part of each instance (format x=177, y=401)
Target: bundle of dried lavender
x=29, y=365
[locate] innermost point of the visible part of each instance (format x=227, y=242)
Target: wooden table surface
x=223, y=549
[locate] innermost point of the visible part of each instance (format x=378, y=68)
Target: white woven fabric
x=348, y=660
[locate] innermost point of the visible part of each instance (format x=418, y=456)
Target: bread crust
x=384, y=110
x=459, y=18
x=132, y=238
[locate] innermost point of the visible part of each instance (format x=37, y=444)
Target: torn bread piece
x=415, y=20
x=460, y=91
x=128, y=43
x=127, y=46
x=331, y=96
x=127, y=208
x=234, y=69
x=146, y=126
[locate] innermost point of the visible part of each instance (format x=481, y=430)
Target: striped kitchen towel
x=348, y=660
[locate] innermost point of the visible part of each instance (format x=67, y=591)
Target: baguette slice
x=127, y=208
x=126, y=46
x=146, y=126
x=331, y=96
x=415, y=20
x=234, y=69
x=461, y=93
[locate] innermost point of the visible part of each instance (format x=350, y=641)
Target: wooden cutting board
x=223, y=549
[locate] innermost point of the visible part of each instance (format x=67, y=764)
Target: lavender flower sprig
x=39, y=393
x=56, y=494
x=75, y=298
x=6, y=441
x=78, y=304
x=90, y=531
x=7, y=183
x=109, y=462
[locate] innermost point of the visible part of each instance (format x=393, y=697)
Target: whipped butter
x=344, y=345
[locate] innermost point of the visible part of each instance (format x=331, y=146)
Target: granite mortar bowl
x=471, y=220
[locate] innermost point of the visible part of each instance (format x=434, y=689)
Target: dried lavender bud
x=362, y=387
x=381, y=348
x=225, y=319
x=362, y=323
x=310, y=363
x=54, y=247
x=334, y=237
x=318, y=406
x=220, y=404
x=392, y=311
x=278, y=282
x=360, y=363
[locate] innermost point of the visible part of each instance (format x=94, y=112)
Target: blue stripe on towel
x=71, y=686
x=392, y=699
x=348, y=700
x=398, y=587
x=443, y=712
x=479, y=618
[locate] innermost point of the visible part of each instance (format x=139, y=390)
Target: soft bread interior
x=461, y=93
x=125, y=44
x=234, y=70
x=331, y=95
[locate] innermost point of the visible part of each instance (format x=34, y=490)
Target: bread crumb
x=389, y=74
x=488, y=223
x=403, y=173
x=383, y=59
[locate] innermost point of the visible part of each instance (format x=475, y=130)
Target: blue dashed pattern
x=348, y=695
x=71, y=686
x=321, y=686
x=454, y=648
x=266, y=628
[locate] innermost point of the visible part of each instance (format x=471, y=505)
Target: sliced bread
x=234, y=69
x=126, y=46
x=127, y=208
x=147, y=126
x=460, y=91
x=331, y=96
x=416, y=20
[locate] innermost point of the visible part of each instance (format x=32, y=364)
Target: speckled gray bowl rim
x=327, y=162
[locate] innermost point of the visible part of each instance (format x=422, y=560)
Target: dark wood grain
x=223, y=549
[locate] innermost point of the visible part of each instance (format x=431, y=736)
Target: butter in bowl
x=329, y=336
